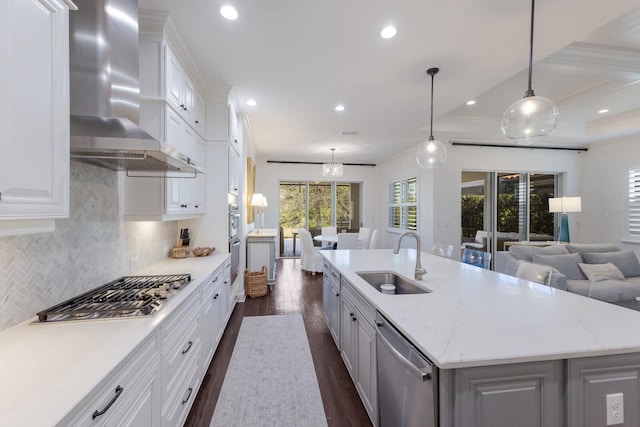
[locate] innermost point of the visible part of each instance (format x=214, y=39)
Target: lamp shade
x=258, y=200
x=565, y=204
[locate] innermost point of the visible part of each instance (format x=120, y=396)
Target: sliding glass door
x=498, y=208
x=313, y=205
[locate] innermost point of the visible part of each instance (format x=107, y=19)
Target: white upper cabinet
x=163, y=73
x=172, y=110
x=173, y=80
x=180, y=90
x=222, y=121
x=34, y=114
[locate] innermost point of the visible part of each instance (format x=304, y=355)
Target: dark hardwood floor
x=294, y=292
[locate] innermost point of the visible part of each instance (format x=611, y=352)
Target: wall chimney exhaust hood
x=105, y=92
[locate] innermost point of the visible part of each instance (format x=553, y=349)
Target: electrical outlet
x=615, y=409
x=133, y=262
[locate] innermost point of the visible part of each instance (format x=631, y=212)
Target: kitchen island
x=502, y=342
x=55, y=373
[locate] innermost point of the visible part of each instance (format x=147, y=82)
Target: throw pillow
x=626, y=261
x=612, y=290
x=603, y=270
x=591, y=248
x=566, y=264
x=525, y=252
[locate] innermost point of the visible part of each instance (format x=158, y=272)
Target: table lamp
x=259, y=201
x=564, y=205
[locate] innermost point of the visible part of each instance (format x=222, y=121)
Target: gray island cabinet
x=508, y=352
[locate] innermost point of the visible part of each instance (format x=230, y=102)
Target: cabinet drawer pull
x=337, y=294
x=97, y=413
x=188, y=396
x=216, y=296
x=186, y=350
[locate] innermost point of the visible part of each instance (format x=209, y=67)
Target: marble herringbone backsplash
x=93, y=246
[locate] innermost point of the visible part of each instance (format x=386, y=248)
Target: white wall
x=439, y=190
x=269, y=175
x=604, y=190
x=91, y=247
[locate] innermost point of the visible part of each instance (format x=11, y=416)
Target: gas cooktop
x=128, y=296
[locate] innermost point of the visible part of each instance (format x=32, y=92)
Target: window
x=403, y=204
x=633, y=221
x=314, y=205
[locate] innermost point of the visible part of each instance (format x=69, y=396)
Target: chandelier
x=530, y=119
x=332, y=169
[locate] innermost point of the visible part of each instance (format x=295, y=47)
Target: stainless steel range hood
x=105, y=92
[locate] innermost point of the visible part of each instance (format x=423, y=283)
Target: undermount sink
x=402, y=285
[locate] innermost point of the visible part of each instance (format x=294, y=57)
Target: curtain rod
x=318, y=163
x=530, y=147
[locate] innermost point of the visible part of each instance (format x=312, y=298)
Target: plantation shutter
x=634, y=203
x=403, y=204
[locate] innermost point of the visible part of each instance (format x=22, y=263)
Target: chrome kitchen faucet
x=419, y=272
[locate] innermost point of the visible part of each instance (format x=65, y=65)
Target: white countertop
x=477, y=317
x=47, y=369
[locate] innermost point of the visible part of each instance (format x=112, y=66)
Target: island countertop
x=477, y=317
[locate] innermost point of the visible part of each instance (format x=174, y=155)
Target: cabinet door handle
x=186, y=350
x=216, y=296
x=97, y=413
x=354, y=318
x=188, y=396
x=182, y=106
x=337, y=294
x=197, y=122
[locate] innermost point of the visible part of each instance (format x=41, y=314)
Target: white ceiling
x=299, y=59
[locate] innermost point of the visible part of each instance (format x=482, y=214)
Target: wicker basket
x=255, y=283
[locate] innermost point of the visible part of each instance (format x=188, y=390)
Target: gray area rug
x=271, y=380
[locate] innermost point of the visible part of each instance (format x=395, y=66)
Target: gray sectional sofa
x=602, y=271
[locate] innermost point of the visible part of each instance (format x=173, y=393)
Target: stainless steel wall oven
x=234, y=240
x=234, y=220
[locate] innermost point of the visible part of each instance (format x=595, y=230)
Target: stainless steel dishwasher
x=407, y=380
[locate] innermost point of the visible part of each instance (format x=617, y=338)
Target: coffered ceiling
x=300, y=59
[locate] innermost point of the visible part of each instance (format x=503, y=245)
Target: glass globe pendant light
x=431, y=153
x=530, y=119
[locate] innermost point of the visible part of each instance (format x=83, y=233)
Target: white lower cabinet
x=213, y=314
x=358, y=347
x=181, y=340
x=129, y=397
x=331, y=302
x=157, y=384
x=179, y=401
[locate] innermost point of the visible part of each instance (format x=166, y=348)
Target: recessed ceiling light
x=252, y=102
x=229, y=12
x=339, y=107
x=604, y=110
x=471, y=102
x=388, y=32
